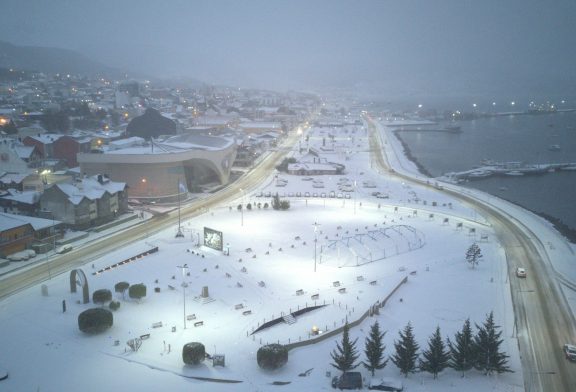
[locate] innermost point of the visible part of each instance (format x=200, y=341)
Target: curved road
x=542, y=317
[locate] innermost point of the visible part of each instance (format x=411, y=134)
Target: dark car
x=348, y=380
x=385, y=384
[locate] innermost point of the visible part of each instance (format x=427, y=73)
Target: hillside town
x=79, y=152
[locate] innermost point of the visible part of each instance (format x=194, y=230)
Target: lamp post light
x=315, y=242
x=53, y=234
x=242, y=208
x=354, y=197
x=184, y=269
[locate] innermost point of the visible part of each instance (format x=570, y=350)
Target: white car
x=570, y=352
x=520, y=272
x=64, y=249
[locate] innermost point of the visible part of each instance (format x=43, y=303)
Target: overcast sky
x=420, y=44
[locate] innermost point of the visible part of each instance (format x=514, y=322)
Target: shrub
x=121, y=287
x=95, y=320
x=193, y=353
x=101, y=296
x=137, y=291
x=249, y=206
x=114, y=305
x=266, y=205
x=272, y=356
x=239, y=207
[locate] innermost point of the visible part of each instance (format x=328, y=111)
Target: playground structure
x=360, y=248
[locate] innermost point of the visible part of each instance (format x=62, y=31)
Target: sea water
x=515, y=138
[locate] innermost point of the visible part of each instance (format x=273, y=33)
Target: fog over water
x=391, y=47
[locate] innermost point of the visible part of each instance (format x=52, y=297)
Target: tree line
x=480, y=351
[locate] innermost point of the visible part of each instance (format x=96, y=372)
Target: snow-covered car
x=64, y=249
x=520, y=272
x=348, y=380
x=385, y=384
x=570, y=352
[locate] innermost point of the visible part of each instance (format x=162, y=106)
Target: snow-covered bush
x=121, y=287
x=101, y=296
x=137, y=291
x=193, y=353
x=272, y=356
x=95, y=320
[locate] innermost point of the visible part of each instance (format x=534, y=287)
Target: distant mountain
x=52, y=60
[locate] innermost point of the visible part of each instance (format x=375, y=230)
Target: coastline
x=566, y=231
x=408, y=153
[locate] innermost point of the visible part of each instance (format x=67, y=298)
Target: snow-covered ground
x=366, y=244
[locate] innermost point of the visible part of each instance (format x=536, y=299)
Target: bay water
x=530, y=139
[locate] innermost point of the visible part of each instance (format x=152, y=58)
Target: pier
x=505, y=169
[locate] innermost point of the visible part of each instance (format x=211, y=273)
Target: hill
x=52, y=60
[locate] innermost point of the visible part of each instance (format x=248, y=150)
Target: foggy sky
x=443, y=45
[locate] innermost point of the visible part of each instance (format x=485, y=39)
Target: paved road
x=542, y=317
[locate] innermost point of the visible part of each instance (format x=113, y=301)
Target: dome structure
x=151, y=124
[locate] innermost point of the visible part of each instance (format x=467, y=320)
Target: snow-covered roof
x=11, y=221
x=9, y=178
x=26, y=197
x=46, y=138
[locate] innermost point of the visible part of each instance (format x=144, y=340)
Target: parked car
x=348, y=380
x=520, y=272
x=385, y=384
x=570, y=352
x=64, y=249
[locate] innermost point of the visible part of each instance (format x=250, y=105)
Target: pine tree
x=436, y=357
x=473, y=255
x=462, y=352
x=406, y=351
x=487, y=342
x=374, y=349
x=345, y=354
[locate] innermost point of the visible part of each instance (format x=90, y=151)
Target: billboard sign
x=213, y=239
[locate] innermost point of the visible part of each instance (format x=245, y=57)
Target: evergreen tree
x=345, y=354
x=462, y=353
x=406, y=351
x=487, y=342
x=436, y=357
x=374, y=349
x=473, y=255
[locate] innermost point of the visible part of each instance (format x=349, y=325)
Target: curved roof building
x=153, y=170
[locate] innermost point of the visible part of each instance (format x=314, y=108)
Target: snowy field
x=279, y=262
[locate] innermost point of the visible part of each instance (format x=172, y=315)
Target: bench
x=315, y=296
x=238, y=306
x=145, y=336
x=342, y=290
x=336, y=283
x=300, y=292
x=246, y=312
x=191, y=317
x=199, y=323
x=157, y=325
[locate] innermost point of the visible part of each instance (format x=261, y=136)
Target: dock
x=506, y=169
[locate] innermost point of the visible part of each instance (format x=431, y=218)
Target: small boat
x=554, y=147
x=514, y=173
x=480, y=174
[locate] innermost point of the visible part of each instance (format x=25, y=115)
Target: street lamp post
x=184, y=268
x=315, y=242
x=242, y=208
